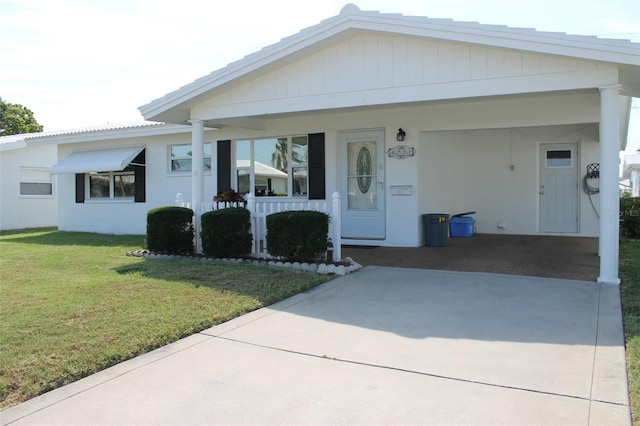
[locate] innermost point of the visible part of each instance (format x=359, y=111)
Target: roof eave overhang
x=8, y=146
x=175, y=106
x=181, y=99
x=111, y=134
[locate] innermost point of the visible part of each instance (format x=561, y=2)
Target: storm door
x=363, y=189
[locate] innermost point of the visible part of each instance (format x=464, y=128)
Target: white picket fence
x=261, y=208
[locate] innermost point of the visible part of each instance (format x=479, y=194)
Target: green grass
x=630, y=295
x=72, y=304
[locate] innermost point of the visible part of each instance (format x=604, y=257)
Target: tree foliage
x=16, y=119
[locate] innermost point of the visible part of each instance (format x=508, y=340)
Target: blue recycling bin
x=462, y=227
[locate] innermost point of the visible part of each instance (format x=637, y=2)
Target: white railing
x=261, y=208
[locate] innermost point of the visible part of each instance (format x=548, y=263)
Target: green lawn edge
x=74, y=304
x=630, y=297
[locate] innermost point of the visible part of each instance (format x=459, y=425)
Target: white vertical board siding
x=359, y=78
x=415, y=70
x=373, y=62
x=428, y=52
x=462, y=62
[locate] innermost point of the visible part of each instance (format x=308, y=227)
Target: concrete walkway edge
x=55, y=396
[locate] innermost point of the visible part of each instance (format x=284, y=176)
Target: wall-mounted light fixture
x=400, y=136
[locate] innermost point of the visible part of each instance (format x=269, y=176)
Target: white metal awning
x=104, y=160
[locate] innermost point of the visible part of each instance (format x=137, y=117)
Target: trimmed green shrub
x=226, y=232
x=630, y=216
x=170, y=230
x=298, y=236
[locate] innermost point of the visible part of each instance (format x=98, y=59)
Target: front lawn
x=73, y=304
x=630, y=294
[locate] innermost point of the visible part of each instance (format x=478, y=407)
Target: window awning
x=105, y=160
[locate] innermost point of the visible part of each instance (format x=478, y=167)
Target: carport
x=540, y=256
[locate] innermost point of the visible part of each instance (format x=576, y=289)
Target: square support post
x=609, y=183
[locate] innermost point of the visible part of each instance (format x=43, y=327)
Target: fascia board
x=8, y=146
x=582, y=47
x=625, y=119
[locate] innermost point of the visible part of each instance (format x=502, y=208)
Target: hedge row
x=630, y=216
x=297, y=236
x=226, y=233
x=170, y=230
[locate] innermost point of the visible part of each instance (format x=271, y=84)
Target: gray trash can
x=436, y=229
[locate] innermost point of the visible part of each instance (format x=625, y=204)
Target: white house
x=400, y=115
x=27, y=188
x=631, y=171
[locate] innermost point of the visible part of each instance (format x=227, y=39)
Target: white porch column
x=609, y=182
x=197, y=177
x=336, y=211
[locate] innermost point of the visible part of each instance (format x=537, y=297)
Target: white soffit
x=106, y=160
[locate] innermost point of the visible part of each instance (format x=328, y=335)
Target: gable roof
x=174, y=107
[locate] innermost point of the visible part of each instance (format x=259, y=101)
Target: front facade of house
x=503, y=122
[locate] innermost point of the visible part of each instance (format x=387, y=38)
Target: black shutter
x=316, y=167
x=224, y=166
x=139, y=170
x=79, y=187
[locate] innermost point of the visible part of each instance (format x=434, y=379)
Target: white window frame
x=112, y=176
x=188, y=172
x=290, y=166
x=50, y=181
x=552, y=166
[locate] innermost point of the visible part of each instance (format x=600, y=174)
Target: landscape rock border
x=342, y=268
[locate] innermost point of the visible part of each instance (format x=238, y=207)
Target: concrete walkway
x=380, y=346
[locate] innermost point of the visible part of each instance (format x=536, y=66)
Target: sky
x=78, y=63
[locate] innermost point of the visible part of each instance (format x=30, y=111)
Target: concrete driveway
x=380, y=346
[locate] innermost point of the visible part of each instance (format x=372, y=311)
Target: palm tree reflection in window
x=280, y=156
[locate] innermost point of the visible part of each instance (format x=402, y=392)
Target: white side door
x=559, y=187
x=363, y=188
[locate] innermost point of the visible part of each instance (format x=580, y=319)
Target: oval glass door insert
x=364, y=169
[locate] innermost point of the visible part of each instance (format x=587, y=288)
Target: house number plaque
x=401, y=152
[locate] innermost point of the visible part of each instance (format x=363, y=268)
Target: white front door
x=363, y=188
x=559, y=187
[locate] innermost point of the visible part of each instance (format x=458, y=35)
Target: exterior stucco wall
x=22, y=211
x=127, y=217
x=446, y=175
x=481, y=179
x=463, y=155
